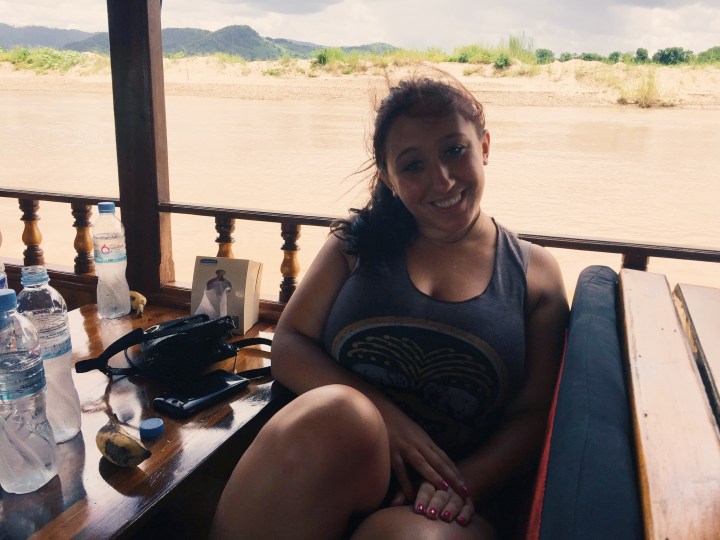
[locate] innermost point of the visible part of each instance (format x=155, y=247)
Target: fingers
x=438, y=469
x=398, y=466
x=444, y=505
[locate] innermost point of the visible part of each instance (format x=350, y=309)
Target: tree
x=641, y=56
x=711, y=55
x=564, y=57
x=672, y=56
x=614, y=57
x=544, y=56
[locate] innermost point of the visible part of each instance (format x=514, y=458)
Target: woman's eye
x=413, y=166
x=455, y=149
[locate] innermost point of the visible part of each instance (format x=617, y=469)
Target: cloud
x=286, y=6
x=600, y=26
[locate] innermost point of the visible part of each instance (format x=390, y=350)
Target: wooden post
x=31, y=236
x=84, y=261
x=225, y=227
x=290, y=267
x=141, y=139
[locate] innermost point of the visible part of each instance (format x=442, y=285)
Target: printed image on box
x=223, y=286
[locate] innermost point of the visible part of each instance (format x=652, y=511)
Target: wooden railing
x=78, y=283
x=141, y=140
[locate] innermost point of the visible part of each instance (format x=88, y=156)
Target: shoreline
x=574, y=83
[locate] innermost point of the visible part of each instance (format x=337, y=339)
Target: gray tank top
x=451, y=366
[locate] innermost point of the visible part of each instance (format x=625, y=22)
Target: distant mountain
x=38, y=36
x=240, y=40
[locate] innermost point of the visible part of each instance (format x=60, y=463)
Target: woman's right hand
x=411, y=446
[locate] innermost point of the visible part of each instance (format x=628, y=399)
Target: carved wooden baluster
x=290, y=267
x=31, y=236
x=225, y=227
x=84, y=262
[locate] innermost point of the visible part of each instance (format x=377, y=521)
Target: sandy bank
x=573, y=83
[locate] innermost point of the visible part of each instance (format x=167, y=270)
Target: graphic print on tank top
x=444, y=378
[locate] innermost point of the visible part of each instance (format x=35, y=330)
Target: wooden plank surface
x=678, y=447
x=91, y=498
x=699, y=309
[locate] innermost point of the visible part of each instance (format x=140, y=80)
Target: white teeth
x=447, y=203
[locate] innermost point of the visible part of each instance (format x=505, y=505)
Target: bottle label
x=109, y=250
x=54, y=333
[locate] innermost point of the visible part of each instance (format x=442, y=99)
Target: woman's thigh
x=401, y=522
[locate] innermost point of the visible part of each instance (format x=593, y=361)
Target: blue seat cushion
x=591, y=489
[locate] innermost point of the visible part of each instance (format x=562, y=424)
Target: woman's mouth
x=447, y=203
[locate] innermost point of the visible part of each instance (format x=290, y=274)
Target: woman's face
x=436, y=166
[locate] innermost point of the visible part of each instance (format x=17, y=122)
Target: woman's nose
x=441, y=177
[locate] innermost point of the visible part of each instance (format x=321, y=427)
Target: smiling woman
x=423, y=341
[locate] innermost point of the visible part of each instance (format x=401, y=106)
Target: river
x=621, y=173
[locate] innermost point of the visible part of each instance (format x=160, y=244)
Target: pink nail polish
x=445, y=515
x=444, y=485
x=462, y=521
x=465, y=491
x=432, y=513
x=420, y=508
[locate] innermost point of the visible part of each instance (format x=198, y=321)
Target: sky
x=600, y=26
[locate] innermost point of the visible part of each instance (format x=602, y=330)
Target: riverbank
x=573, y=83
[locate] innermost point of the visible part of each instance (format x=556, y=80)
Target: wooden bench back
x=676, y=435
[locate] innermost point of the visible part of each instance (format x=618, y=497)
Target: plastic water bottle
x=3, y=277
x=46, y=309
x=27, y=446
x=113, y=293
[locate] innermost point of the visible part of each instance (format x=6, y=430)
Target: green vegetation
x=42, y=59
x=516, y=56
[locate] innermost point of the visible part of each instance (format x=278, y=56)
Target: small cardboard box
x=223, y=286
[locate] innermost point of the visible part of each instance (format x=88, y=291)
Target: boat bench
x=632, y=448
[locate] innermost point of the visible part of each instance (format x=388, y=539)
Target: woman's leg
x=401, y=522
x=320, y=459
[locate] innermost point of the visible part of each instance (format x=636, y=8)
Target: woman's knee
x=329, y=422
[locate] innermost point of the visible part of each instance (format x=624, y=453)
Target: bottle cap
x=106, y=207
x=8, y=299
x=32, y=275
x=151, y=427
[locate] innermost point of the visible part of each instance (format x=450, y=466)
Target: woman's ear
x=486, y=147
x=383, y=178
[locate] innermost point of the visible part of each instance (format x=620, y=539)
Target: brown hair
x=384, y=226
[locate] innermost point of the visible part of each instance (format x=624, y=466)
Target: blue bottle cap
x=151, y=428
x=8, y=299
x=106, y=207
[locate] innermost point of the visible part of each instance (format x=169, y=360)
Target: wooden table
x=90, y=497
x=676, y=432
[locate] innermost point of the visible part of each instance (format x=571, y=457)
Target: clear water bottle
x=3, y=277
x=27, y=446
x=46, y=309
x=113, y=293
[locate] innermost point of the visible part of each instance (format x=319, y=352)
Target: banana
x=118, y=446
x=137, y=302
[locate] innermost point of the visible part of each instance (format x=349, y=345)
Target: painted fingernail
x=444, y=485
x=420, y=508
x=461, y=520
x=432, y=513
x=445, y=516
x=465, y=491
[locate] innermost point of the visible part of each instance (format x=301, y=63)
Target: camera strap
x=194, y=326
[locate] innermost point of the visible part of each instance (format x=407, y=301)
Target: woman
x=423, y=343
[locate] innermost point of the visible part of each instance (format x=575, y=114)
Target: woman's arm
x=300, y=363
x=517, y=443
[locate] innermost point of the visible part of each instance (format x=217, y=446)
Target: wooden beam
x=699, y=310
x=677, y=444
x=141, y=139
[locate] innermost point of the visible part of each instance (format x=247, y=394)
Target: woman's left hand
x=445, y=505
